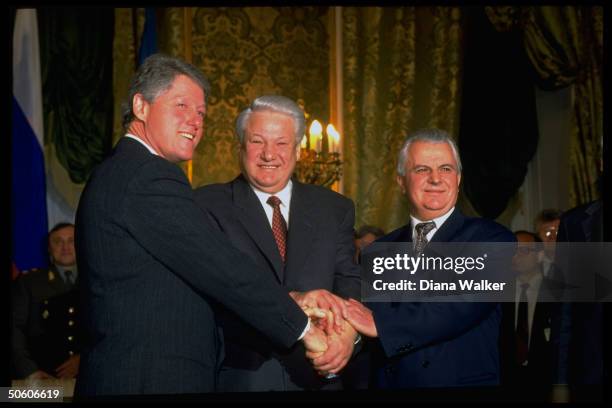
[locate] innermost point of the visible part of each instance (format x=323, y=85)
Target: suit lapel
x=301, y=228
x=591, y=225
x=253, y=217
x=448, y=230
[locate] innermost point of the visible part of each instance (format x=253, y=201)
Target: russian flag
x=28, y=198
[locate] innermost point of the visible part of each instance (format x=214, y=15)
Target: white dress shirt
x=284, y=195
x=438, y=221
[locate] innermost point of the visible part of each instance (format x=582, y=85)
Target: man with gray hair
x=431, y=344
x=151, y=262
x=300, y=234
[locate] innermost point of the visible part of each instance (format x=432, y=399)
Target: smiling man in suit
x=302, y=235
x=432, y=344
x=152, y=262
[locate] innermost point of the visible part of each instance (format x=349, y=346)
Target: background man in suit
x=151, y=261
x=525, y=347
x=547, y=228
x=433, y=344
x=578, y=334
x=46, y=333
x=312, y=257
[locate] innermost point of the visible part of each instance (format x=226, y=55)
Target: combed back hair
x=273, y=103
x=536, y=239
x=155, y=76
x=369, y=229
x=430, y=135
x=58, y=227
x=548, y=215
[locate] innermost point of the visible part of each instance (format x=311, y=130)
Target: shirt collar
x=145, y=144
x=438, y=221
x=284, y=194
x=63, y=269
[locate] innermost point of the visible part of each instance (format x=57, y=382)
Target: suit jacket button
x=389, y=369
x=425, y=364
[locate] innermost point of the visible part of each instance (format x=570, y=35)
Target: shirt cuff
x=305, y=330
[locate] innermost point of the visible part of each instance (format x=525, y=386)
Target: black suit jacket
x=539, y=368
x=431, y=344
x=150, y=262
x=578, y=333
x=320, y=255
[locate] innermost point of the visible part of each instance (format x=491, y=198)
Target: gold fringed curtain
x=129, y=24
x=402, y=70
x=565, y=46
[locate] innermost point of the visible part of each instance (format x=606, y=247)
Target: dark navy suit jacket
x=578, y=334
x=427, y=344
x=151, y=263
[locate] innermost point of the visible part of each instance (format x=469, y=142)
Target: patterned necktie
x=422, y=229
x=279, y=226
x=522, y=328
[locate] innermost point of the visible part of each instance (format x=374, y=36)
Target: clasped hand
x=330, y=341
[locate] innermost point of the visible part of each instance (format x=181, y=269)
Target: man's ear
x=458, y=179
x=400, y=183
x=140, y=107
x=298, y=150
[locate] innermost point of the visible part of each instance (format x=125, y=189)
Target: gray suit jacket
x=320, y=253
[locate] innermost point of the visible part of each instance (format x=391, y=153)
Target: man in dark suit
x=152, y=262
x=431, y=344
x=311, y=258
x=578, y=334
x=525, y=347
x=46, y=334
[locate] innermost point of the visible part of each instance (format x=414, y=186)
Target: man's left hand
x=69, y=368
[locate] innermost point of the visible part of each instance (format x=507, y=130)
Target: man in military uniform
x=46, y=335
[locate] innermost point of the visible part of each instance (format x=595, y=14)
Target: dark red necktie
x=279, y=226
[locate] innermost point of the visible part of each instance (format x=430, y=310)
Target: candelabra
x=319, y=161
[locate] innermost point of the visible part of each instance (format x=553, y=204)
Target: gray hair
x=431, y=135
x=273, y=103
x=155, y=76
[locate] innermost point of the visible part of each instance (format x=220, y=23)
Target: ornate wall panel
x=251, y=51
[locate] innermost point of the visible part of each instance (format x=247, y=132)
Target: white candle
x=333, y=138
x=315, y=135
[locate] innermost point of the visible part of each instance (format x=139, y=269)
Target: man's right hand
x=315, y=339
x=323, y=299
x=361, y=318
x=38, y=375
